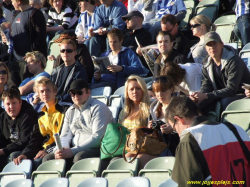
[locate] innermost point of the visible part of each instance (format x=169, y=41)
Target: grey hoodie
x=234, y=73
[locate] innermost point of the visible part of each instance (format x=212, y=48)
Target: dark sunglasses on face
x=73, y=93
x=195, y=25
x=3, y=72
x=67, y=50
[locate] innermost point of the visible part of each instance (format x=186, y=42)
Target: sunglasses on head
x=163, y=79
x=73, y=93
x=3, y=72
x=67, y=50
x=195, y=25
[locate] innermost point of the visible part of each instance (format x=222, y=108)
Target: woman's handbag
x=144, y=140
x=113, y=141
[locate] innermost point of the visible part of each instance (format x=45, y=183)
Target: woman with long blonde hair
x=136, y=106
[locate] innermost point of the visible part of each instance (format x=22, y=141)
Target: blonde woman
x=136, y=108
x=200, y=25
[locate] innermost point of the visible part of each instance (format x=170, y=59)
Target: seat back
x=116, y=101
x=119, y=170
x=238, y=112
x=184, y=25
x=245, y=52
x=94, y=182
x=211, y=11
x=168, y=183
x=83, y=169
x=120, y=91
x=48, y=170
x=158, y=170
x=55, y=182
x=101, y=98
x=115, y=113
x=54, y=49
x=106, y=91
x=20, y=183
x=12, y=172
x=134, y=182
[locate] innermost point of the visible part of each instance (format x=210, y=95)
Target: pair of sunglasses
x=67, y=50
x=73, y=93
x=3, y=72
x=195, y=25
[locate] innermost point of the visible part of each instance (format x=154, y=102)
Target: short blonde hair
x=37, y=56
x=145, y=102
x=44, y=81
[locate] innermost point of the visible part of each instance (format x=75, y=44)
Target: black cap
x=78, y=85
x=133, y=13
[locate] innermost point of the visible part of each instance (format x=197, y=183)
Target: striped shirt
x=85, y=22
x=164, y=7
x=242, y=7
x=65, y=18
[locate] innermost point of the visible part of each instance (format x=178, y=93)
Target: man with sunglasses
x=181, y=43
x=223, y=75
x=71, y=70
x=84, y=125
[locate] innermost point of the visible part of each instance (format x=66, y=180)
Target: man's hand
x=40, y=154
x=97, y=75
x=138, y=51
x=91, y=33
x=198, y=96
x=1, y=152
x=101, y=32
x=247, y=92
x=19, y=159
x=115, y=68
x=62, y=154
x=166, y=129
x=51, y=57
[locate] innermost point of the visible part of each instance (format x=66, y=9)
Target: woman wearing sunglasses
x=136, y=107
x=163, y=89
x=200, y=25
x=5, y=80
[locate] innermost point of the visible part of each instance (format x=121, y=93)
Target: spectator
x=167, y=53
x=8, y=5
x=84, y=125
x=38, y=5
x=247, y=92
x=16, y=123
x=223, y=75
x=50, y=121
x=7, y=14
x=31, y=36
x=82, y=54
x=185, y=77
x=124, y=63
x=181, y=43
x=202, y=141
x=134, y=24
x=71, y=70
x=107, y=16
x=200, y=25
x=2, y=19
x=136, y=107
x=85, y=21
x=175, y=7
x=61, y=18
x=163, y=89
x=242, y=29
x=5, y=80
x=36, y=63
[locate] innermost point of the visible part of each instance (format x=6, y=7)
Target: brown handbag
x=144, y=140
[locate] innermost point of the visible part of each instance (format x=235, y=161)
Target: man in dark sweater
x=134, y=21
x=16, y=124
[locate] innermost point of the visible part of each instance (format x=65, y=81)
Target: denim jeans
x=243, y=23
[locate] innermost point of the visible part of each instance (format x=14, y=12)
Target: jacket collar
x=85, y=105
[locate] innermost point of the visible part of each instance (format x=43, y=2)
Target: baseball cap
x=212, y=37
x=78, y=85
x=133, y=13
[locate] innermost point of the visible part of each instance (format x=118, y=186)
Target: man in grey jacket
x=84, y=125
x=223, y=75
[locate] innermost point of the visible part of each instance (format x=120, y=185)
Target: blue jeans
x=97, y=44
x=243, y=23
x=156, y=27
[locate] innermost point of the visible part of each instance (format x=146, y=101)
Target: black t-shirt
x=62, y=78
x=217, y=76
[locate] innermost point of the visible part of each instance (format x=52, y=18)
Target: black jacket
x=174, y=56
x=15, y=134
x=182, y=44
